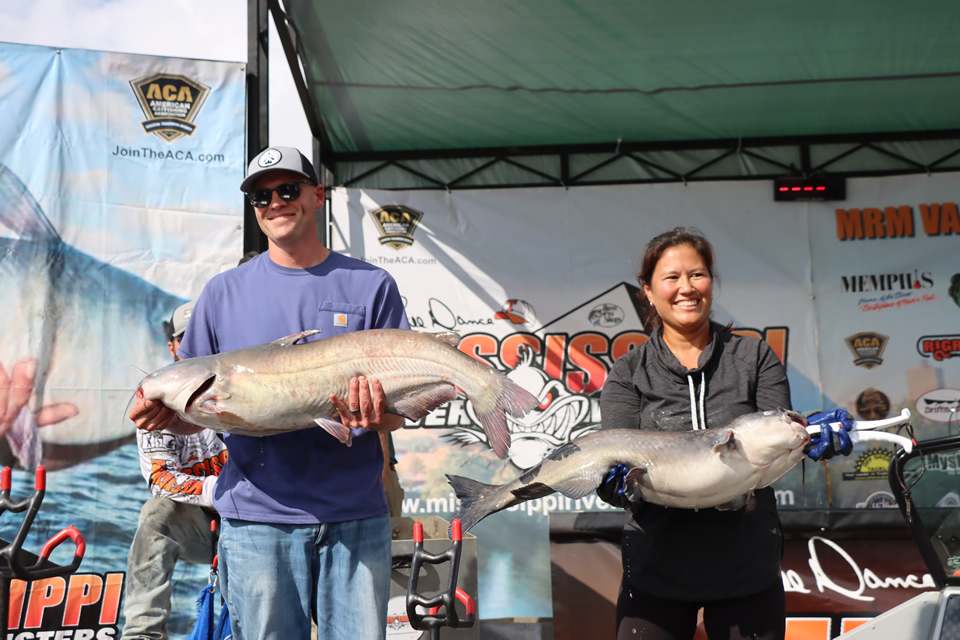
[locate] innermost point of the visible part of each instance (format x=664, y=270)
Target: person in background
x=313, y=508
x=175, y=523
x=694, y=374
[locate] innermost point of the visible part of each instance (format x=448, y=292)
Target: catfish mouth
x=799, y=424
x=200, y=390
x=792, y=416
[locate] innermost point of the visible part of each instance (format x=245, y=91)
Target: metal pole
x=258, y=132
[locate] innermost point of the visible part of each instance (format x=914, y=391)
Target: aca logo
x=396, y=223
x=170, y=102
x=867, y=347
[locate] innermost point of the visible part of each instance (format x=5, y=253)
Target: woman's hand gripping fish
x=689, y=469
x=283, y=386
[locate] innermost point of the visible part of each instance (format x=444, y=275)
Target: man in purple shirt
x=305, y=526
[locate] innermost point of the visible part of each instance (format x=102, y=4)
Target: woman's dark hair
x=676, y=237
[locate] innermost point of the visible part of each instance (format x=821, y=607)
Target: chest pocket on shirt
x=341, y=317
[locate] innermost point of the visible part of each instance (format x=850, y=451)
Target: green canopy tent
x=517, y=93
x=439, y=94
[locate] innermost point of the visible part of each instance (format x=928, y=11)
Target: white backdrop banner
x=540, y=283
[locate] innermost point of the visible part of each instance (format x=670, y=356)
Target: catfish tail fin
x=474, y=499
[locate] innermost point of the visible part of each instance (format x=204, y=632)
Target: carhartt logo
x=170, y=102
x=340, y=320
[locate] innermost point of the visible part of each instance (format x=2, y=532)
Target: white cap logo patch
x=269, y=158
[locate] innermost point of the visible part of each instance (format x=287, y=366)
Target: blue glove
x=828, y=443
x=611, y=488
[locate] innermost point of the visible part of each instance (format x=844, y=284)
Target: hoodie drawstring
x=702, y=424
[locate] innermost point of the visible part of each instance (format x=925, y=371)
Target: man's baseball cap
x=180, y=318
x=275, y=159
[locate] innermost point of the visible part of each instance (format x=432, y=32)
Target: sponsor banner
x=119, y=179
x=81, y=605
x=540, y=284
x=885, y=286
x=836, y=582
x=833, y=581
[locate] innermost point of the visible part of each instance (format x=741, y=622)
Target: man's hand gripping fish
x=690, y=469
x=283, y=386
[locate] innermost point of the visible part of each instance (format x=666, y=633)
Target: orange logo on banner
x=808, y=629
x=896, y=222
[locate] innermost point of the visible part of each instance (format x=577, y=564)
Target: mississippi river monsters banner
x=859, y=298
x=118, y=200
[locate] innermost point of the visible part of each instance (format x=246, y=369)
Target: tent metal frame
x=357, y=169
x=636, y=152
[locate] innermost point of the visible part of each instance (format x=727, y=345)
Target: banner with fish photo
x=540, y=284
x=118, y=201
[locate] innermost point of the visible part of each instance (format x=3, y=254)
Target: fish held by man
x=691, y=469
x=284, y=386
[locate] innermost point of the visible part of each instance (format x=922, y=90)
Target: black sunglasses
x=287, y=191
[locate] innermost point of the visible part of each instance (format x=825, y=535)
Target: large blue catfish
x=85, y=323
x=285, y=386
x=685, y=469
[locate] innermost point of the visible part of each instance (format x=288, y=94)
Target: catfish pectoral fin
x=336, y=429
x=418, y=403
x=725, y=442
x=733, y=505
x=631, y=484
x=574, y=488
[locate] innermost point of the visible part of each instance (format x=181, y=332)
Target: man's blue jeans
x=274, y=576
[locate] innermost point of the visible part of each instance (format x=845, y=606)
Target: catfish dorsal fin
x=293, y=338
x=725, y=442
x=452, y=338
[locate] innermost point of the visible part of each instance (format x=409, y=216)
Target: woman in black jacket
x=694, y=374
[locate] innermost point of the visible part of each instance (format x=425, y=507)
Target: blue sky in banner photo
x=200, y=29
